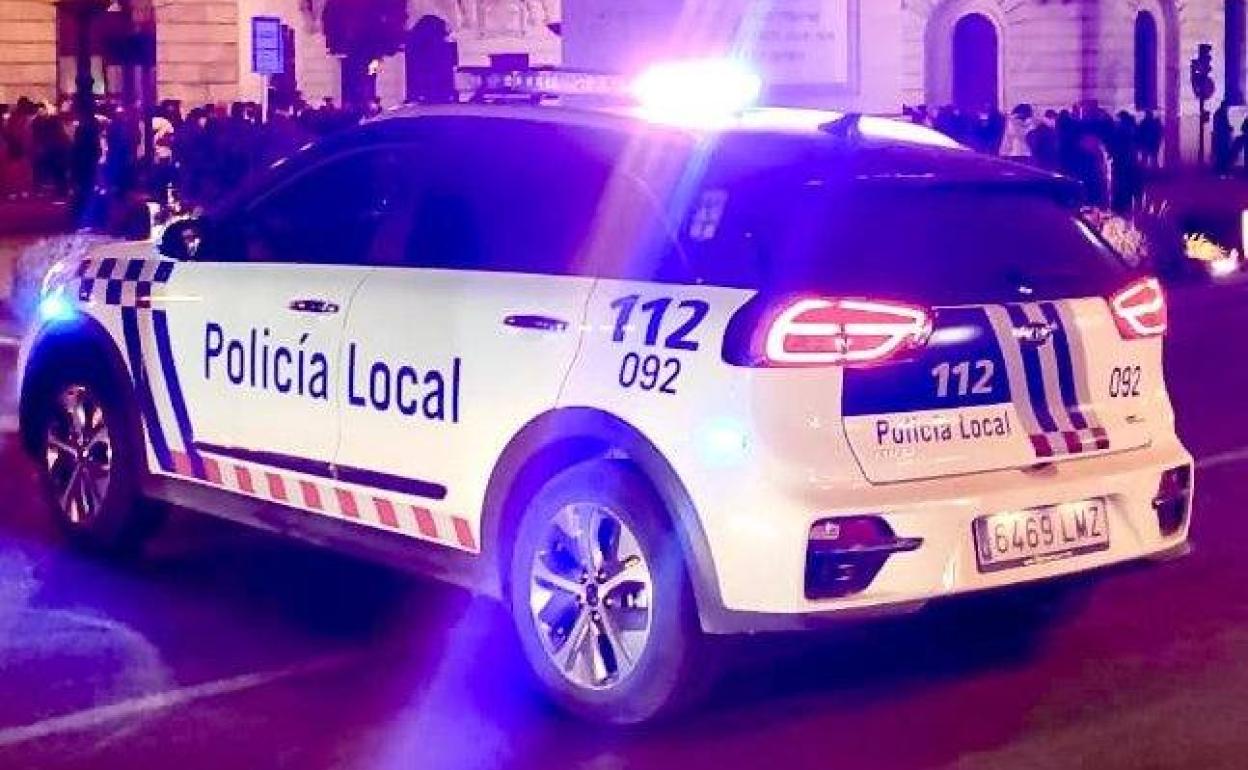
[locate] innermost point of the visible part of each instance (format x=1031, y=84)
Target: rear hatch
x=1027, y=361
x=1025, y=364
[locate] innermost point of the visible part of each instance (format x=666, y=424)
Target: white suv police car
x=640, y=381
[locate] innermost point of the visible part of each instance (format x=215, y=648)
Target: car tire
x=90, y=459
x=638, y=648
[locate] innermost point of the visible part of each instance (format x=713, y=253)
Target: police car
x=642, y=379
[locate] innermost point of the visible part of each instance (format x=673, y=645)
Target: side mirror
x=131, y=220
x=182, y=239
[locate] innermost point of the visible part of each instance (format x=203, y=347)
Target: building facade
x=868, y=55
x=878, y=56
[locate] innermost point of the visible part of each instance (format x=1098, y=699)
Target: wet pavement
x=229, y=648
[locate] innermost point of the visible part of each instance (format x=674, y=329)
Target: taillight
x=821, y=332
x=1140, y=310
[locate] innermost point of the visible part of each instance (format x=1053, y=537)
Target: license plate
x=1022, y=538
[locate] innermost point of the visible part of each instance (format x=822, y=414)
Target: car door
x=256, y=319
x=450, y=354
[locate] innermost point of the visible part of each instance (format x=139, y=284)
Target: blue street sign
x=268, y=46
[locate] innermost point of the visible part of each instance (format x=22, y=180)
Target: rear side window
x=929, y=244
x=507, y=196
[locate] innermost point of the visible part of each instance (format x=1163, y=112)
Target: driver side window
x=330, y=215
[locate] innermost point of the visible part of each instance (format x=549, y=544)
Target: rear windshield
x=909, y=241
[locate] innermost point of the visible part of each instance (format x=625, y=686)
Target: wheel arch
x=561, y=438
x=82, y=339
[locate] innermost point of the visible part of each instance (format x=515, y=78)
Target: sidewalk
x=33, y=216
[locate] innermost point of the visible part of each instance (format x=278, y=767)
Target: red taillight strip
x=912, y=327
x=1140, y=309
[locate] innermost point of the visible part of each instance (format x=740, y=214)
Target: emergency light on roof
x=697, y=92
x=485, y=84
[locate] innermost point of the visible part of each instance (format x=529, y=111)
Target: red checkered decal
x=1070, y=442
x=369, y=507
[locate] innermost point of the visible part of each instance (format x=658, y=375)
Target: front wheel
x=89, y=460
x=601, y=598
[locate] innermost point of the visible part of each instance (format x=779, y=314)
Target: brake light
x=1140, y=310
x=821, y=332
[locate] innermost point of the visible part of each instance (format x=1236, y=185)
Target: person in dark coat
x=52, y=149
x=431, y=61
x=1125, y=162
x=1223, y=139
x=1151, y=134
x=121, y=163
x=84, y=164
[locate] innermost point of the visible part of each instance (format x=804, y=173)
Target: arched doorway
x=1146, y=42
x=976, y=63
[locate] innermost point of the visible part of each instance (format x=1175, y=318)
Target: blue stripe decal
x=1065, y=366
x=1035, y=374
x=163, y=271
x=112, y=293
x=107, y=266
x=134, y=270
x=169, y=367
x=143, y=389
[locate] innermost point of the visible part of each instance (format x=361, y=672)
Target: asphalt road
x=225, y=648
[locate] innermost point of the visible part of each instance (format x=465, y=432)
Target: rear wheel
x=90, y=462
x=601, y=599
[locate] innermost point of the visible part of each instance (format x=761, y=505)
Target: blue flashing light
x=697, y=92
x=54, y=308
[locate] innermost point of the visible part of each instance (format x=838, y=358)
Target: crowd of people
x=49, y=150
x=1108, y=153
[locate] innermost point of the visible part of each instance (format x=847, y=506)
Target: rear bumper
x=759, y=559
x=722, y=621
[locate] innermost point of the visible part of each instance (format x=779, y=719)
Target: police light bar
x=698, y=90
x=695, y=91
x=488, y=84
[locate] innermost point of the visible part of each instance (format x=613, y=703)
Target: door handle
x=320, y=306
x=541, y=323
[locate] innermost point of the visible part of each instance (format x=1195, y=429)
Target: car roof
x=823, y=144
x=866, y=147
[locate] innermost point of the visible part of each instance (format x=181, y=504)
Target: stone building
x=869, y=55
x=202, y=47
x=878, y=55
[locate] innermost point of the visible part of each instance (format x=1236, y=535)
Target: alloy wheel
x=78, y=452
x=590, y=596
